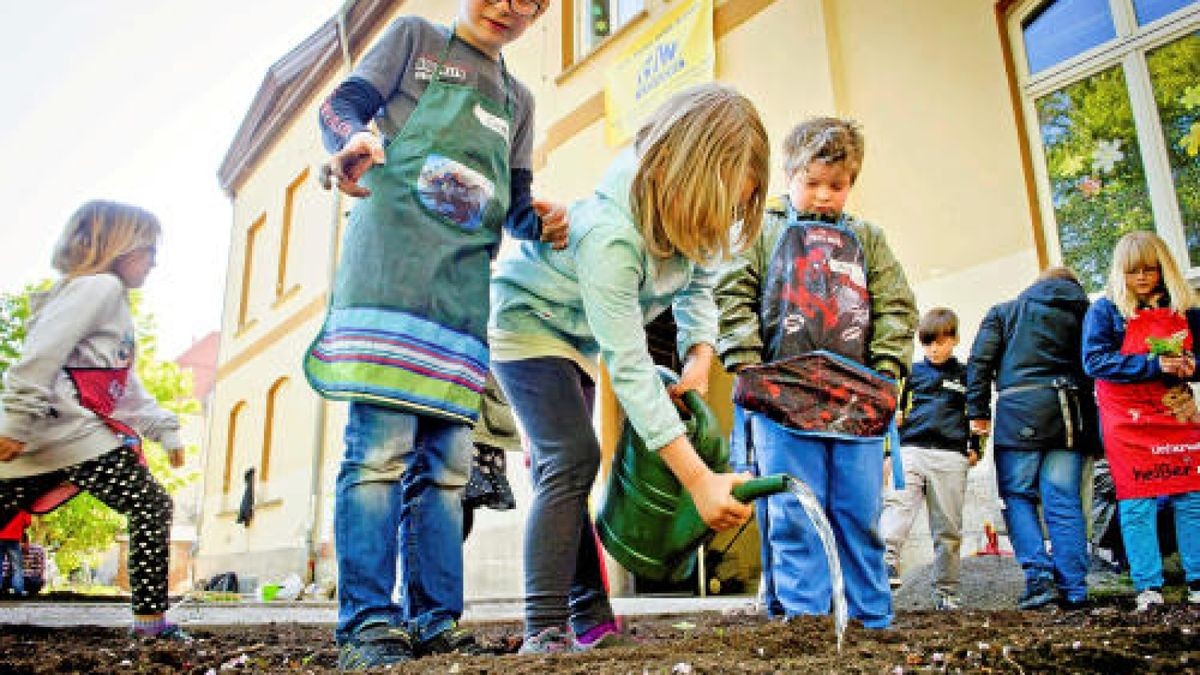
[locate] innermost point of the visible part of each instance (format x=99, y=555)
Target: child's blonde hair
x=101, y=231
x=1146, y=249
x=694, y=152
x=830, y=140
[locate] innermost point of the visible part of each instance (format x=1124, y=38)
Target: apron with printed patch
x=1151, y=430
x=406, y=327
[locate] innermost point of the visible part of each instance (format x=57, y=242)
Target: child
x=73, y=405
x=1045, y=428
x=405, y=337
x=936, y=455
x=824, y=285
x=1140, y=344
x=12, y=544
x=663, y=212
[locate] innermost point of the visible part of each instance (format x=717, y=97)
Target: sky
x=137, y=101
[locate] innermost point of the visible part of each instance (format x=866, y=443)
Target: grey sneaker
x=946, y=603
x=1194, y=593
x=549, y=641
x=1038, y=593
x=1149, y=598
x=378, y=644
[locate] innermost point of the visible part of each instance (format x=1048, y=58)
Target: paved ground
x=988, y=582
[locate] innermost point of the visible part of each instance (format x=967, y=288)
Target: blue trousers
x=399, y=499
x=1139, y=531
x=846, y=475
x=1052, y=477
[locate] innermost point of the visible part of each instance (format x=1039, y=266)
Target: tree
x=80, y=530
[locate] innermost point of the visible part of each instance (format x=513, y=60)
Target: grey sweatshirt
x=83, y=322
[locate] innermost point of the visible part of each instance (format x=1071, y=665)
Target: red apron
x=99, y=389
x=1151, y=430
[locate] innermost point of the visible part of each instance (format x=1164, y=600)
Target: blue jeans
x=846, y=475
x=10, y=550
x=399, y=497
x=1053, y=477
x=1139, y=531
x=564, y=583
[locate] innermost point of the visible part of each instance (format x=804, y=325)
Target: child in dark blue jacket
x=934, y=437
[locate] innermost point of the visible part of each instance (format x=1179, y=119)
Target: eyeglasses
x=1145, y=270
x=522, y=7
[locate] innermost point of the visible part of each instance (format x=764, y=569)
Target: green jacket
x=893, y=307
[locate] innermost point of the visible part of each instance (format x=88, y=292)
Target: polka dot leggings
x=127, y=487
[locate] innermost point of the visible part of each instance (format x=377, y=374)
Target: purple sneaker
x=607, y=634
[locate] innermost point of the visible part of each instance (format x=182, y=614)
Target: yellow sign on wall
x=674, y=53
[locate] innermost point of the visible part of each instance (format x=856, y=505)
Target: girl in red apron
x=1140, y=344
x=74, y=410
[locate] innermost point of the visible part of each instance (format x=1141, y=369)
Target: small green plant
x=1168, y=346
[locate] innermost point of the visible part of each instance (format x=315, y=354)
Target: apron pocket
x=454, y=192
x=821, y=393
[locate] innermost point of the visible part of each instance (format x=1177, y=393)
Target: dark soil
x=1108, y=638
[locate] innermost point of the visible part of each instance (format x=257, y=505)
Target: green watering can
x=648, y=522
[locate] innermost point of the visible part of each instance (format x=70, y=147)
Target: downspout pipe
x=320, y=419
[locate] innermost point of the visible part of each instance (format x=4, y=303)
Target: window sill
x=581, y=62
x=244, y=328
x=282, y=298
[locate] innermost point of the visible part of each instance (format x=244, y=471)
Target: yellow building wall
x=943, y=176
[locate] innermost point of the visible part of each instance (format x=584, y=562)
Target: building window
x=252, y=235
x=236, y=414
x=1112, y=92
x=274, y=394
x=590, y=21
x=285, y=233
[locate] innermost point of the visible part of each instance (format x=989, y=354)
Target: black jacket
x=934, y=401
x=1031, y=350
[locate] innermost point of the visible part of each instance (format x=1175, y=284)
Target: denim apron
x=406, y=326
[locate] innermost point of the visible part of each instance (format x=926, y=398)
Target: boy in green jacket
x=821, y=283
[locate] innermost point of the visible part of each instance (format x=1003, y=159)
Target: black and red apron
x=99, y=390
x=1151, y=429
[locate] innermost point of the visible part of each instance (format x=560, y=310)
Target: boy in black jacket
x=934, y=437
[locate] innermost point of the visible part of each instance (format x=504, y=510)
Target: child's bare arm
x=10, y=448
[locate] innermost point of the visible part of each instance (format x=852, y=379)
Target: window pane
x=1175, y=74
x=597, y=19
x=1065, y=28
x=1149, y=10
x=1097, y=183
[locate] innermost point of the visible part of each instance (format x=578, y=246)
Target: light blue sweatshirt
x=595, y=297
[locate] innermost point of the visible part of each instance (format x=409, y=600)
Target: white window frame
x=1128, y=51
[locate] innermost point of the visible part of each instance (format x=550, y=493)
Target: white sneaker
x=1194, y=593
x=1148, y=598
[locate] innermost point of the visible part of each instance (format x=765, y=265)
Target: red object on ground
x=993, y=541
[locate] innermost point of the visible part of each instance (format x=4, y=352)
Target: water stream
x=808, y=501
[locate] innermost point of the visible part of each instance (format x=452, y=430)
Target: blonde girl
x=73, y=408
x=667, y=209
x=1139, y=342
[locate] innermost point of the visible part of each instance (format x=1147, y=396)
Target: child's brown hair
x=101, y=231
x=937, y=323
x=694, y=152
x=830, y=140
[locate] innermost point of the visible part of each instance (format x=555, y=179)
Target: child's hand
x=555, y=224
x=972, y=458
x=10, y=448
x=713, y=496
x=175, y=457
x=1183, y=366
x=695, y=371
x=362, y=151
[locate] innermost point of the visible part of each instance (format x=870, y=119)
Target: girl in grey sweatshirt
x=72, y=411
